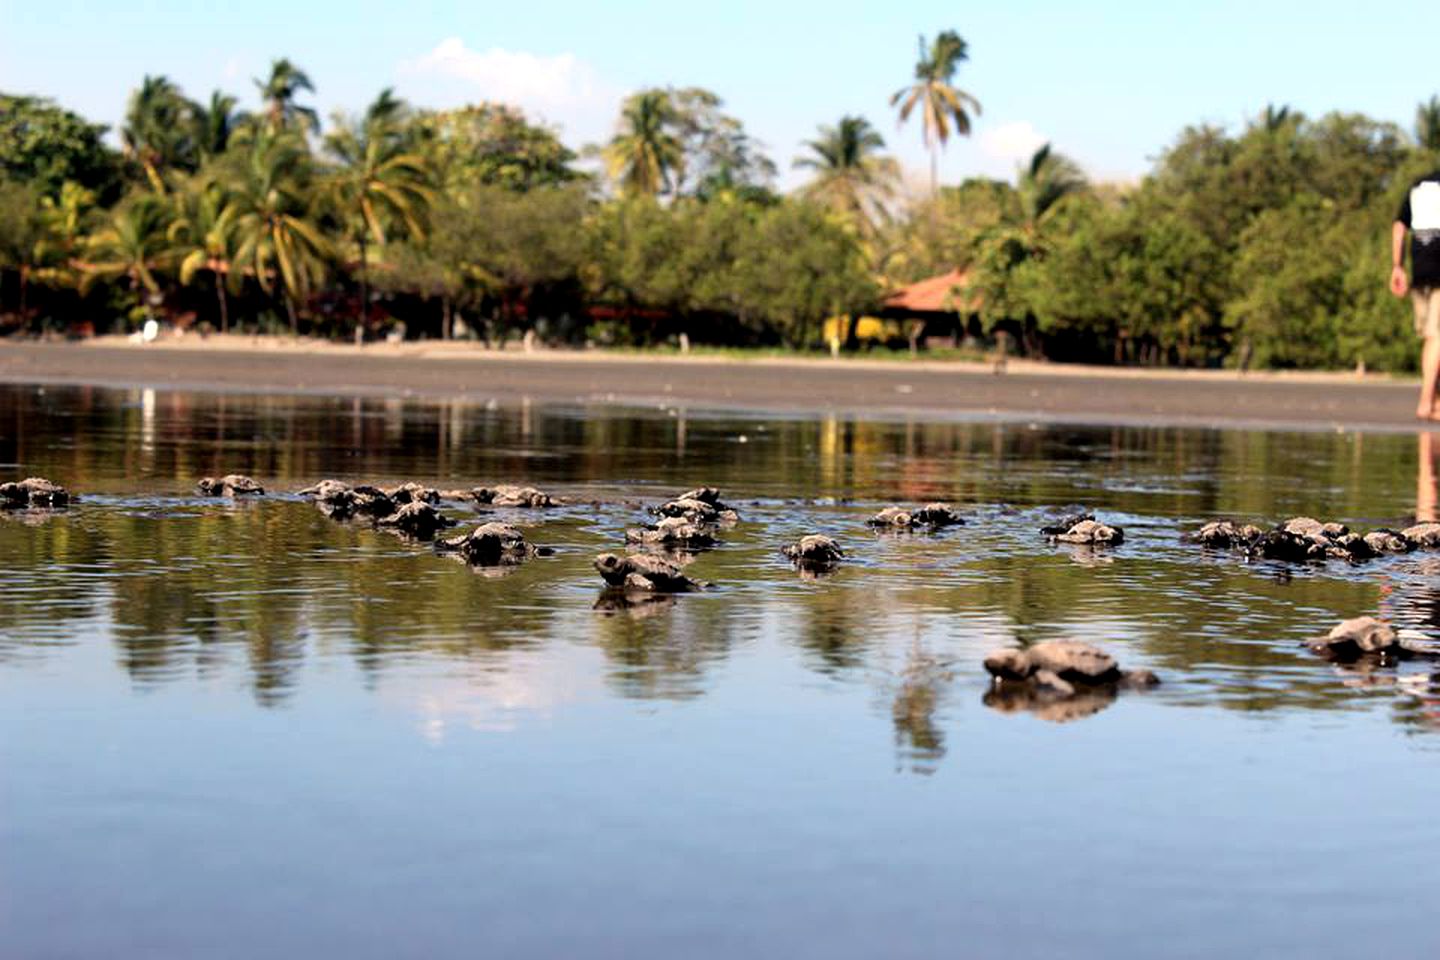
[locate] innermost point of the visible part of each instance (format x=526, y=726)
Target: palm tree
x=850, y=175
x=1276, y=117
x=646, y=156
x=133, y=245
x=275, y=235
x=941, y=104
x=1046, y=180
x=1427, y=125
x=204, y=235
x=1022, y=234
x=279, y=91
x=215, y=123
x=377, y=183
x=157, y=130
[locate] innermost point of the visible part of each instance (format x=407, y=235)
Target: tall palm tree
x=1427, y=124
x=279, y=90
x=133, y=246
x=850, y=174
x=215, y=122
x=204, y=235
x=941, y=105
x=157, y=133
x=646, y=156
x=275, y=234
x=378, y=184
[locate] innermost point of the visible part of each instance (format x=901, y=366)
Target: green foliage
x=160, y=131
x=45, y=145
x=646, y=157
x=851, y=177
x=489, y=144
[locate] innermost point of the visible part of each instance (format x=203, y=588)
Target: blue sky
x=1109, y=83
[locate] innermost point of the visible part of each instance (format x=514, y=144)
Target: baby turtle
x=33, y=492
x=1064, y=523
x=1424, y=535
x=230, y=485
x=938, y=515
x=507, y=495
x=1388, y=541
x=1282, y=544
x=673, y=533
x=488, y=545
x=1349, y=546
x=896, y=518
x=417, y=519
x=1226, y=534
x=644, y=573
x=815, y=551
x=701, y=505
x=1349, y=640
x=933, y=515
x=412, y=493
x=341, y=501
x=1058, y=669
x=1092, y=532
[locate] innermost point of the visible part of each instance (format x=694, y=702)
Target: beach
x=1023, y=391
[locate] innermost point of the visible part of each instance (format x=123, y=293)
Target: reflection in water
x=1046, y=703
x=918, y=693
x=186, y=588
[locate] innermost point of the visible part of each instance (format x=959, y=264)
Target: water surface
x=244, y=729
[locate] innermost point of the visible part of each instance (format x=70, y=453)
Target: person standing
x=1420, y=215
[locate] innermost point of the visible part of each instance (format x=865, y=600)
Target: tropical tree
x=279, y=90
x=1278, y=116
x=1009, y=251
x=215, y=123
x=646, y=156
x=851, y=177
x=46, y=145
x=488, y=144
x=159, y=130
x=1427, y=125
x=377, y=185
x=941, y=105
x=276, y=236
x=20, y=231
x=204, y=235
x=133, y=246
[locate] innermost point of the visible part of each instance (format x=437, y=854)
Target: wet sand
x=1024, y=392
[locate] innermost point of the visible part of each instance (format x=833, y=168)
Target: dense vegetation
x=1266, y=246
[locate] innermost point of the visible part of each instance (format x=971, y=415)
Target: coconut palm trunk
x=360, y=323
x=224, y=303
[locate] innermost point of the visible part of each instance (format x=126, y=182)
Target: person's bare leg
x=1429, y=371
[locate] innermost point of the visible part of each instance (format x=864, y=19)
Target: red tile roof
x=942, y=294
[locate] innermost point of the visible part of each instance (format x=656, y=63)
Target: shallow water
x=244, y=729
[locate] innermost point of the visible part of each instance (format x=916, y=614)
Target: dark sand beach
x=883, y=388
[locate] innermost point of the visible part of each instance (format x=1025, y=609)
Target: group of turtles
x=1052, y=672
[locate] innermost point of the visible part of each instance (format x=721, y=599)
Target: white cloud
x=1011, y=142
x=510, y=76
x=561, y=89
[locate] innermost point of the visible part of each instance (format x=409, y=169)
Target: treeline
x=1265, y=247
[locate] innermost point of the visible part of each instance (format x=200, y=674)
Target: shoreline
x=1026, y=391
